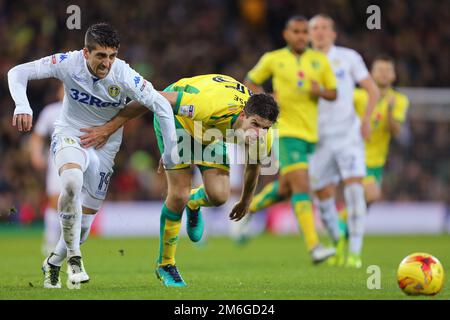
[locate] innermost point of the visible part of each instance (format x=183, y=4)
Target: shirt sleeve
x=262, y=71
x=400, y=108
x=328, y=77
x=141, y=90
x=358, y=69
x=53, y=66
x=188, y=105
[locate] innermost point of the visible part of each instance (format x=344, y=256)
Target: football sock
x=343, y=222
x=170, y=224
x=52, y=228
x=357, y=211
x=198, y=198
x=267, y=197
x=330, y=218
x=69, y=208
x=302, y=205
x=60, y=252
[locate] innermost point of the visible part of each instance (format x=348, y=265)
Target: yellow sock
x=170, y=224
x=303, y=210
x=268, y=196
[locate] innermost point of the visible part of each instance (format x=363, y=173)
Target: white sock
x=357, y=211
x=69, y=208
x=86, y=223
x=330, y=217
x=52, y=228
x=60, y=252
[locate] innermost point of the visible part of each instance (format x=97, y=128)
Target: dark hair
x=327, y=17
x=383, y=57
x=297, y=18
x=102, y=34
x=263, y=105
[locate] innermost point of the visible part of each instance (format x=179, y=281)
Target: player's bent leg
x=179, y=185
x=302, y=205
x=357, y=212
x=274, y=192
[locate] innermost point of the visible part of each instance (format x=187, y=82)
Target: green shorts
x=212, y=156
x=294, y=154
x=374, y=174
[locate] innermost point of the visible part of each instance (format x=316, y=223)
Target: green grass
x=269, y=267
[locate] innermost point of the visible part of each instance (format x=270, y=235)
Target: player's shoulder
x=65, y=58
x=276, y=54
x=315, y=55
x=401, y=97
x=347, y=51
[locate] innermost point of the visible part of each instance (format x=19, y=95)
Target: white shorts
x=332, y=162
x=95, y=164
x=52, y=182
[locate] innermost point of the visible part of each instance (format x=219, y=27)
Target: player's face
x=100, y=60
x=296, y=35
x=254, y=127
x=321, y=33
x=383, y=73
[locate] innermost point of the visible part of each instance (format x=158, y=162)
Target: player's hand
x=365, y=129
x=240, y=209
x=23, y=121
x=95, y=137
x=315, y=90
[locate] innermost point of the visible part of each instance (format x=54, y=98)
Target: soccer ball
x=420, y=273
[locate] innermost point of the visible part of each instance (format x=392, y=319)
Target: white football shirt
x=338, y=117
x=89, y=101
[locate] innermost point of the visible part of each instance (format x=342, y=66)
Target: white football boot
x=76, y=273
x=321, y=253
x=51, y=275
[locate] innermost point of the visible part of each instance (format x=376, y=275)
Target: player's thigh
x=68, y=153
x=372, y=184
x=217, y=185
x=350, y=160
x=98, y=174
x=298, y=180
x=323, y=171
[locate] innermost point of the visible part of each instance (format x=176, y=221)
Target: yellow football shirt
x=208, y=105
x=291, y=77
x=377, y=147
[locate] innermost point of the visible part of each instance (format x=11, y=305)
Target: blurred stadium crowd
x=168, y=40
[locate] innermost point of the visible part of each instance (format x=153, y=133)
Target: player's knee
x=325, y=193
x=71, y=183
x=178, y=200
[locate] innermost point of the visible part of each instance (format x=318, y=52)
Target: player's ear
x=85, y=53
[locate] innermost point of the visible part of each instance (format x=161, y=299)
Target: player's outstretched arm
x=17, y=81
x=372, y=90
x=18, y=77
x=98, y=136
x=251, y=175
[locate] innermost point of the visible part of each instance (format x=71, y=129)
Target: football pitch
x=268, y=267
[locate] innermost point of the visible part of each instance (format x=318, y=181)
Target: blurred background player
x=339, y=154
x=386, y=122
x=208, y=104
x=97, y=85
x=42, y=160
x=300, y=76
